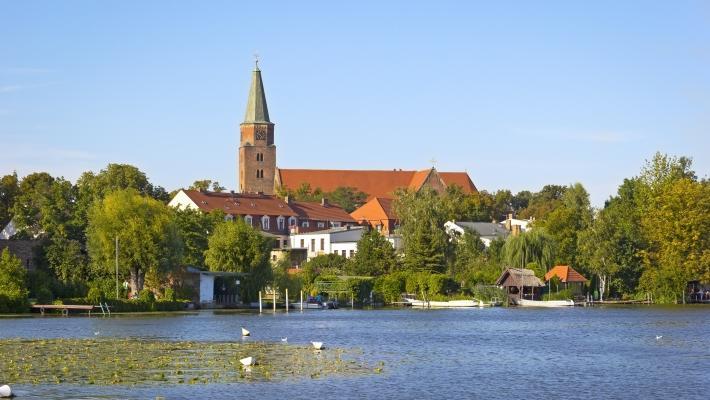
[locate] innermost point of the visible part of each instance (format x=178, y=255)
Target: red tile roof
x=374, y=183
x=565, y=273
x=377, y=209
x=256, y=204
x=320, y=212
x=240, y=203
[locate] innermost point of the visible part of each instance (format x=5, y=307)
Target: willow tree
x=148, y=240
x=534, y=246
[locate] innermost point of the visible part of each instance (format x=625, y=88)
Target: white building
x=487, y=231
x=341, y=241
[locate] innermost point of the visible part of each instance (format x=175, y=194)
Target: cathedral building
x=258, y=172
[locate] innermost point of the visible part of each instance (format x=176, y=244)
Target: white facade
x=9, y=230
x=182, y=201
x=341, y=240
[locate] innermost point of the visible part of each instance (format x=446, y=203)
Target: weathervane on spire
x=256, y=60
x=433, y=162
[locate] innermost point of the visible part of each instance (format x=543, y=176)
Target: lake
x=494, y=353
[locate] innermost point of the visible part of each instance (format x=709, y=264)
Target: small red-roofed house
x=569, y=277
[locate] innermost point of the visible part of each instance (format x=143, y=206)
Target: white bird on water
x=248, y=361
x=97, y=333
x=284, y=339
x=5, y=391
x=318, y=345
x=659, y=337
x=245, y=332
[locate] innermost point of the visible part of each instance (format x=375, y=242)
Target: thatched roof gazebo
x=517, y=280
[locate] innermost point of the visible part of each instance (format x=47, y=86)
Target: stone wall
x=22, y=249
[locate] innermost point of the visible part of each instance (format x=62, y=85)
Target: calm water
x=494, y=353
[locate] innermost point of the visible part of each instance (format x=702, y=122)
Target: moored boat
x=544, y=303
x=443, y=304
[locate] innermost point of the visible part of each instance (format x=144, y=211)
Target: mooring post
x=301, y=300
x=274, y=296
x=287, y=300
x=259, y=301
x=352, y=301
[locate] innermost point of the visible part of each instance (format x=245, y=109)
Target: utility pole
x=116, y=267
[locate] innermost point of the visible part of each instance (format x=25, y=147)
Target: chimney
x=287, y=200
x=508, y=223
x=324, y=202
x=516, y=230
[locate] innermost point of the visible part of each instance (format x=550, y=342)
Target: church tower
x=257, y=152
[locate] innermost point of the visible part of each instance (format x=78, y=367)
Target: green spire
x=256, y=105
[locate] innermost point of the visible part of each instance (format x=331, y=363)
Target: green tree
x=348, y=198
x=375, y=256
x=572, y=216
x=207, y=184
x=148, y=237
x=237, y=247
x=543, y=202
x=13, y=285
x=422, y=219
x=45, y=206
x=66, y=258
x=9, y=189
x=194, y=228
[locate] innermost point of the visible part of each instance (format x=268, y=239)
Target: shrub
x=146, y=295
x=95, y=296
x=13, y=289
x=169, y=294
x=44, y=295
x=390, y=287
x=561, y=295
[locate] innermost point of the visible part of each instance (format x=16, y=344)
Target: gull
x=245, y=332
x=284, y=339
x=318, y=345
x=97, y=333
x=659, y=337
x=5, y=391
x=248, y=361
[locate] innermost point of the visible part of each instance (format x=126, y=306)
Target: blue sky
x=519, y=94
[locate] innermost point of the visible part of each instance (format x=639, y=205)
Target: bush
x=390, y=287
x=44, y=295
x=95, y=296
x=169, y=294
x=146, y=295
x=13, y=304
x=561, y=295
x=13, y=287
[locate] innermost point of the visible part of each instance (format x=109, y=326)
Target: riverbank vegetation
x=651, y=237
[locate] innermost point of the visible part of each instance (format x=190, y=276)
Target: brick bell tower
x=257, y=152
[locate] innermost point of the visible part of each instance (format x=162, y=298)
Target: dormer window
x=229, y=217
x=305, y=224
x=265, y=222
x=292, y=221
x=281, y=223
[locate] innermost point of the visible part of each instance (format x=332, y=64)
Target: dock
x=65, y=308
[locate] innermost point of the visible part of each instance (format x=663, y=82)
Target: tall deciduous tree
x=194, y=228
x=9, y=189
x=534, y=246
x=237, y=247
x=45, y=206
x=13, y=285
x=148, y=240
x=572, y=216
x=375, y=256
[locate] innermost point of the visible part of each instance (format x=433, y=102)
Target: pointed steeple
x=256, y=105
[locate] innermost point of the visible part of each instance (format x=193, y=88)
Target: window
x=285, y=243
x=335, y=224
x=352, y=253
x=302, y=244
x=292, y=221
x=343, y=253
x=322, y=244
x=305, y=224
x=335, y=251
x=229, y=217
x=280, y=223
x=247, y=219
x=259, y=156
x=313, y=245
x=265, y=222
x=321, y=224
x=273, y=257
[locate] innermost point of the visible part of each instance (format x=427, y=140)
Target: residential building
x=570, y=278
x=341, y=241
x=487, y=231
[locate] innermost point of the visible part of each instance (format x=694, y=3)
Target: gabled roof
x=565, y=273
x=320, y=212
x=375, y=183
x=519, y=277
x=240, y=203
x=257, y=111
x=377, y=209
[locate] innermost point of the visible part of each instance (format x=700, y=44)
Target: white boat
x=307, y=305
x=245, y=332
x=443, y=304
x=544, y=303
x=318, y=345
